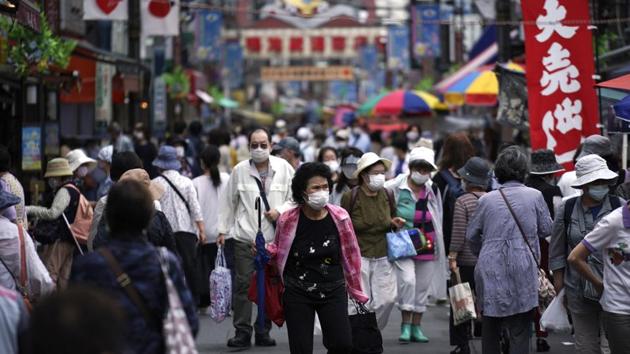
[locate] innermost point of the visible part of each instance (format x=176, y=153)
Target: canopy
x=622, y=109
x=620, y=83
x=401, y=102
x=477, y=88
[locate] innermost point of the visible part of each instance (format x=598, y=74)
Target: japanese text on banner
x=559, y=56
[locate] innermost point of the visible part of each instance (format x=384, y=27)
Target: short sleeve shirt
x=611, y=236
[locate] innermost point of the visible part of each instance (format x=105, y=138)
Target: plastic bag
x=220, y=288
x=399, y=246
x=555, y=317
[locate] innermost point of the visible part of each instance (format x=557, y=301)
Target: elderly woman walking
x=419, y=203
x=506, y=275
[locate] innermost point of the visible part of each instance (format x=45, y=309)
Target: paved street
x=213, y=337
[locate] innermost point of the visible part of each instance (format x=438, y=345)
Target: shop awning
x=619, y=83
x=471, y=66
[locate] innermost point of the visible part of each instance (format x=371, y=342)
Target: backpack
x=80, y=226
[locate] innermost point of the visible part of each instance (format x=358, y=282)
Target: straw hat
x=58, y=167
x=368, y=159
x=140, y=175
x=423, y=154
x=77, y=157
x=591, y=168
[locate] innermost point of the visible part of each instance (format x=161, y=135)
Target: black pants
x=299, y=312
x=518, y=329
x=186, y=244
x=460, y=335
x=206, y=256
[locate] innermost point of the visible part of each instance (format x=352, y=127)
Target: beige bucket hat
x=368, y=159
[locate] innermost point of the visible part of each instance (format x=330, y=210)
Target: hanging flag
x=559, y=55
x=398, y=47
x=425, y=23
x=234, y=64
x=160, y=17
x=105, y=10
x=208, y=38
x=512, y=98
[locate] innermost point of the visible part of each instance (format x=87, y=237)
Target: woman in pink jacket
x=317, y=254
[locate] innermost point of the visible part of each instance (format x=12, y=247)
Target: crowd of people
x=116, y=256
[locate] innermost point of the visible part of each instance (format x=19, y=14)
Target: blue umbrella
x=260, y=261
x=622, y=109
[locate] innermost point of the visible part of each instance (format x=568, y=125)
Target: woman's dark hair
x=511, y=165
x=342, y=180
x=129, y=209
x=400, y=143
x=123, y=162
x=322, y=152
x=195, y=128
x=303, y=174
x=5, y=159
x=211, y=157
x=457, y=149
x=218, y=137
x=76, y=321
x=249, y=137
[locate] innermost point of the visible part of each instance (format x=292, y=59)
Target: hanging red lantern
x=296, y=44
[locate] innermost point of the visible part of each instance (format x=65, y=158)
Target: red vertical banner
x=559, y=57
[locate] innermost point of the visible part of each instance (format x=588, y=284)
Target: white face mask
x=318, y=200
x=376, y=182
x=260, y=155
x=82, y=171
x=180, y=151
x=333, y=165
x=348, y=170
x=419, y=179
x=412, y=136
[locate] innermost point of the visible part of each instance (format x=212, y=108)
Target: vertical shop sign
x=103, y=94
x=234, y=64
x=559, y=54
x=31, y=149
x=159, y=105
x=209, y=40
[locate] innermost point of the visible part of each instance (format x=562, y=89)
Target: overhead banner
x=105, y=10
x=159, y=17
x=398, y=47
x=307, y=73
x=209, y=39
x=425, y=22
x=234, y=64
x=559, y=54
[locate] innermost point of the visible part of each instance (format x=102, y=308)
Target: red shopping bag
x=273, y=294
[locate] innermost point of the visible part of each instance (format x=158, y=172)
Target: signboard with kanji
x=307, y=73
x=559, y=55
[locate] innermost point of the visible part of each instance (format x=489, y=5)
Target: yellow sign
x=307, y=73
x=305, y=7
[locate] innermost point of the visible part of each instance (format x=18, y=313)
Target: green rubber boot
x=405, y=333
x=417, y=335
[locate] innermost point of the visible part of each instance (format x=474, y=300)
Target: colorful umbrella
x=405, y=102
x=366, y=108
x=477, y=88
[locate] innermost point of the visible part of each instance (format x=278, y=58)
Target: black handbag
x=48, y=231
x=366, y=337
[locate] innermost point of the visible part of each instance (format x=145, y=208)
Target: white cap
x=105, y=154
x=77, y=157
x=423, y=154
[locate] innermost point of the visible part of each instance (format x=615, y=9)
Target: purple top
x=506, y=275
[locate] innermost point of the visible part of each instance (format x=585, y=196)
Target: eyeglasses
x=263, y=146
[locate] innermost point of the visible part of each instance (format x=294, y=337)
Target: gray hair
x=511, y=165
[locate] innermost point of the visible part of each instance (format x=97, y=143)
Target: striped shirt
x=465, y=207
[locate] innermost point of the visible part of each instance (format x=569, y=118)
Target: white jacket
x=237, y=206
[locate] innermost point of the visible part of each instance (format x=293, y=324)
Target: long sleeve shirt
x=60, y=203
x=506, y=274
x=174, y=207
x=465, y=207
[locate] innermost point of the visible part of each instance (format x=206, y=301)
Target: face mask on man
x=376, y=182
x=259, y=155
x=418, y=178
x=82, y=171
x=318, y=200
x=332, y=164
x=412, y=136
x=598, y=192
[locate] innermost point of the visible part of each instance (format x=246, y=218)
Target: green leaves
x=34, y=53
x=177, y=82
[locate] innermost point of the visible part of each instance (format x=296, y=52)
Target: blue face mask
x=598, y=192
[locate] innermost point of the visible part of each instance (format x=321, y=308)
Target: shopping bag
x=273, y=294
x=423, y=243
x=399, y=245
x=366, y=337
x=555, y=317
x=462, y=301
x=220, y=288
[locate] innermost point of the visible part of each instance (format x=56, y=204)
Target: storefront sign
x=103, y=92
x=307, y=73
x=426, y=31
x=159, y=106
x=28, y=15
x=398, y=47
x=559, y=54
x=31, y=148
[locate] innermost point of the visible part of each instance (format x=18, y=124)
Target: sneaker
x=542, y=346
x=240, y=340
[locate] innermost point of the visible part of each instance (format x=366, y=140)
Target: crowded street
x=312, y=176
